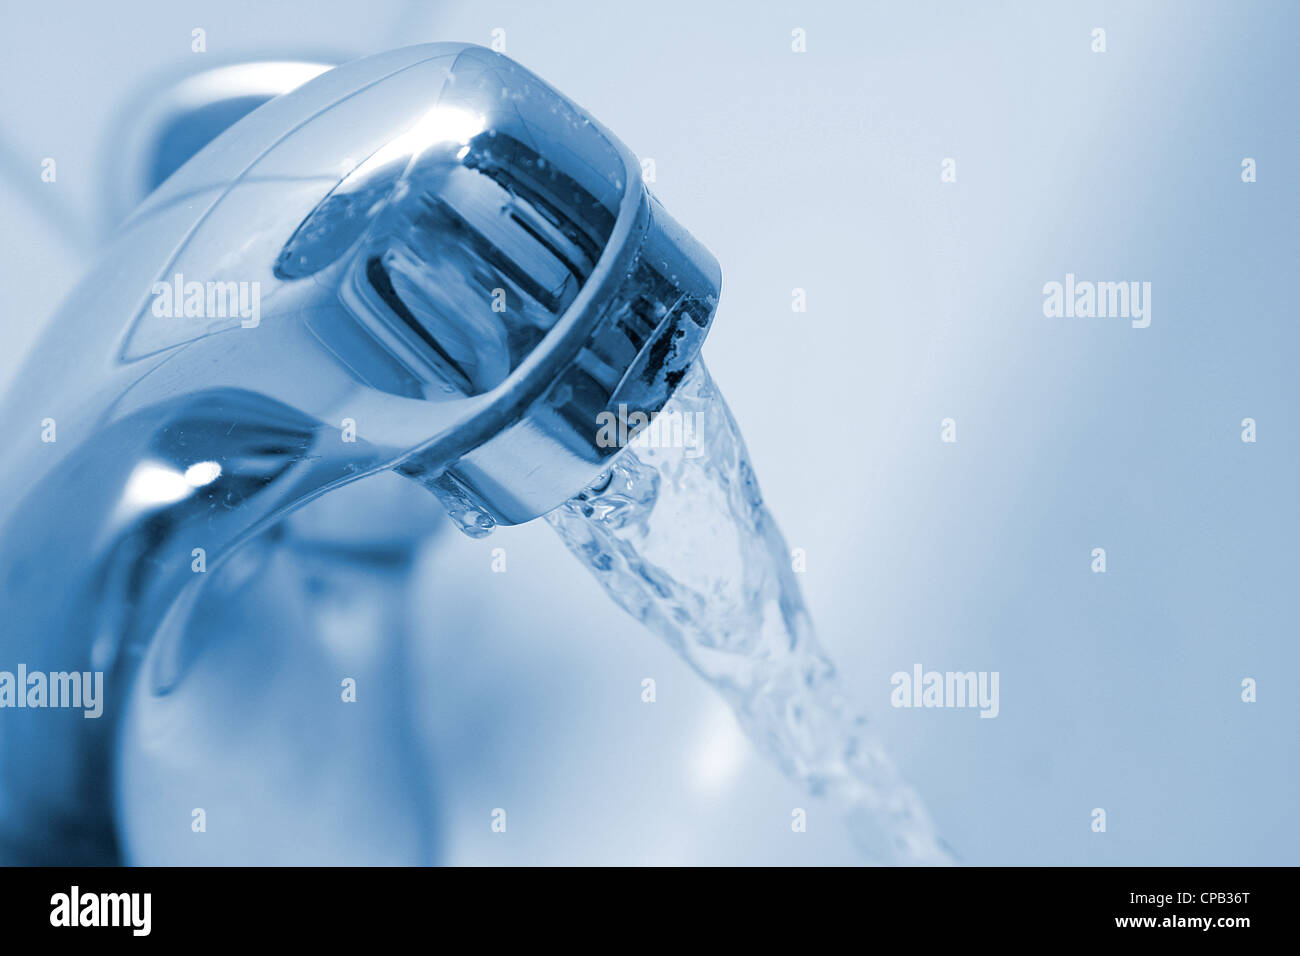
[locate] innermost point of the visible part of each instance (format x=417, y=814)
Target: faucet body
x=426, y=262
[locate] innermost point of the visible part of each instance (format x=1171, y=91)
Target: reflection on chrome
x=458, y=268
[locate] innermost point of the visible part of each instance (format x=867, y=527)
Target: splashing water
x=677, y=534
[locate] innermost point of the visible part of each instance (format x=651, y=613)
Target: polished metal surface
x=426, y=262
x=173, y=117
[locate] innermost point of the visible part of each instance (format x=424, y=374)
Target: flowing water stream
x=677, y=533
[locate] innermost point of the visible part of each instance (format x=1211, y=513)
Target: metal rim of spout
x=620, y=345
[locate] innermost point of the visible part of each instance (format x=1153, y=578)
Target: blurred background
x=820, y=171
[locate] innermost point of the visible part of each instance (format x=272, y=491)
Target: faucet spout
x=426, y=261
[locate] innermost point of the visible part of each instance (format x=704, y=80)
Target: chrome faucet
x=425, y=262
